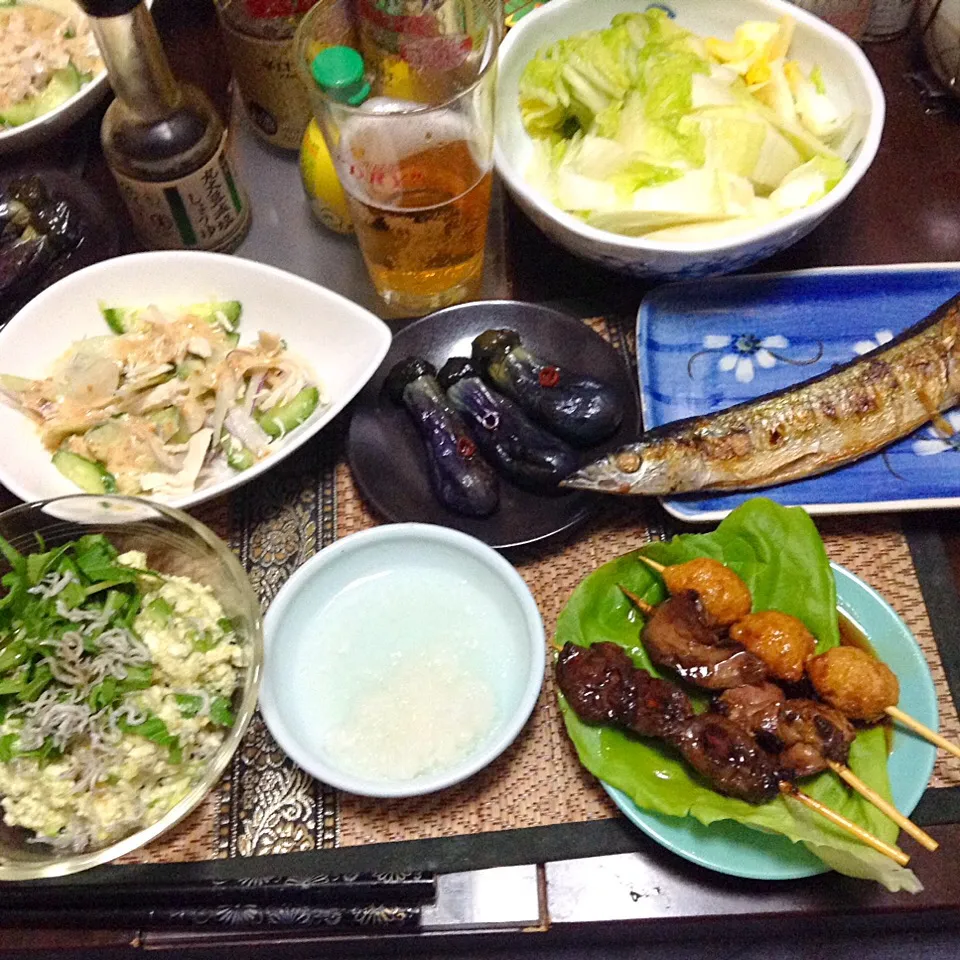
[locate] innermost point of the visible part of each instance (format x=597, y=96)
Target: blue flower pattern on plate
x=824, y=318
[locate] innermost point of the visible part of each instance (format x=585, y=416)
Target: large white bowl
x=849, y=77
x=343, y=619
x=342, y=343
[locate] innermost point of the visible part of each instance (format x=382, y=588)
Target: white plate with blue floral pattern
x=707, y=345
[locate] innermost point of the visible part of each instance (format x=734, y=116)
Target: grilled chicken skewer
x=601, y=685
x=809, y=737
x=859, y=685
x=678, y=635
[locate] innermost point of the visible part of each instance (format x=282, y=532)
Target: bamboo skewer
x=895, y=712
x=645, y=608
x=917, y=727
x=868, y=793
x=855, y=830
x=845, y=773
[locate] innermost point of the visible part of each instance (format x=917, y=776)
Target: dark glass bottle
x=163, y=140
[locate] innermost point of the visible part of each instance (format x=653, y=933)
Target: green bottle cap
x=339, y=70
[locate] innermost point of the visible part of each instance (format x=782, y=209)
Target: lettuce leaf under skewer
x=779, y=554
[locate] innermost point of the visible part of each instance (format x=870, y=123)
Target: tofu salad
x=115, y=691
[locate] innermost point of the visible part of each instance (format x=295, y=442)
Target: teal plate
x=732, y=848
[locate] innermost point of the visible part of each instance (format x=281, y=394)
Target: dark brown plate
x=387, y=456
x=100, y=239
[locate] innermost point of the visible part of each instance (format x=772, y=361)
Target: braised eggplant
x=462, y=480
x=519, y=448
x=578, y=408
x=36, y=230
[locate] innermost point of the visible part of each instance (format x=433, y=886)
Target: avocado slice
x=64, y=83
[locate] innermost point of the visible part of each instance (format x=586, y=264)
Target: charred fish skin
x=810, y=428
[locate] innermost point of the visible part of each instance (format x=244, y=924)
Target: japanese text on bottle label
x=205, y=210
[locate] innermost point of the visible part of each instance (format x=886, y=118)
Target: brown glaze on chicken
x=600, y=688
x=855, y=683
x=782, y=642
x=755, y=707
x=602, y=685
x=724, y=596
x=724, y=753
x=804, y=734
x=678, y=635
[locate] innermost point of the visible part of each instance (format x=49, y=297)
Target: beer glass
x=414, y=148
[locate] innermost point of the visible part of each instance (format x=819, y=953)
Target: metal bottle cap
x=339, y=70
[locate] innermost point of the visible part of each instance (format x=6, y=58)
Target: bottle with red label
x=258, y=35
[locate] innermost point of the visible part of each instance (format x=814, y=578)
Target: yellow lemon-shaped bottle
x=327, y=199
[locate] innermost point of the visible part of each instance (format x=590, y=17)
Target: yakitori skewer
x=721, y=590
x=602, y=686
x=839, y=768
x=864, y=688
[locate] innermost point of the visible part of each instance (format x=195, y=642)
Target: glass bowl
x=175, y=544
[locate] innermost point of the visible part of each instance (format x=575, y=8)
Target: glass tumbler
x=414, y=148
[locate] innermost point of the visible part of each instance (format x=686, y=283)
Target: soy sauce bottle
x=163, y=140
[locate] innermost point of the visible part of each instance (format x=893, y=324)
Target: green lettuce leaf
x=779, y=554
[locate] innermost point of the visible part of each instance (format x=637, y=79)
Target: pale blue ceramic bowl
x=376, y=595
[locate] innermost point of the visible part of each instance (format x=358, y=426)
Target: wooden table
x=906, y=209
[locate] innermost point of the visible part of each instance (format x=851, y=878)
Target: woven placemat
x=266, y=805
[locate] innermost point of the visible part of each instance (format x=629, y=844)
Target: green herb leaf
x=189, y=704
x=96, y=557
x=6, y=747
x=154, y=729
x=221, y=714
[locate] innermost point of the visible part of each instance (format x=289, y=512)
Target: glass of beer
x=407, y=112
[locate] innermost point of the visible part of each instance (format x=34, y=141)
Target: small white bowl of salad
x=51, y=72
x=174, y=376
x=684, y=138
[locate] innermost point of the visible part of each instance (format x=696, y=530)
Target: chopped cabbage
x=646, y=128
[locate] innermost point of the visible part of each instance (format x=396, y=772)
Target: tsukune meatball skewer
x=849, y=679
x=865, y=688
x=602, y=686
x=678, y=635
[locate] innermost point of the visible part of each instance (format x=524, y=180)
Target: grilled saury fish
x=836, y=418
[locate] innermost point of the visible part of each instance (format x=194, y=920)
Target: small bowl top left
x=177, y=545
x=401, y=660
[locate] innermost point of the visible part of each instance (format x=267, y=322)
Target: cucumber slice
x=63, y=84
x=189, y=367
x=103, y=437
x=89, y=475
x=169, y=424
x=238, y=456
x=288, y=416
x=126, y=319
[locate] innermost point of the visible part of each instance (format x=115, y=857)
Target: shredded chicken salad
x=40, y=45
x=115, y=691
x=168, y=404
